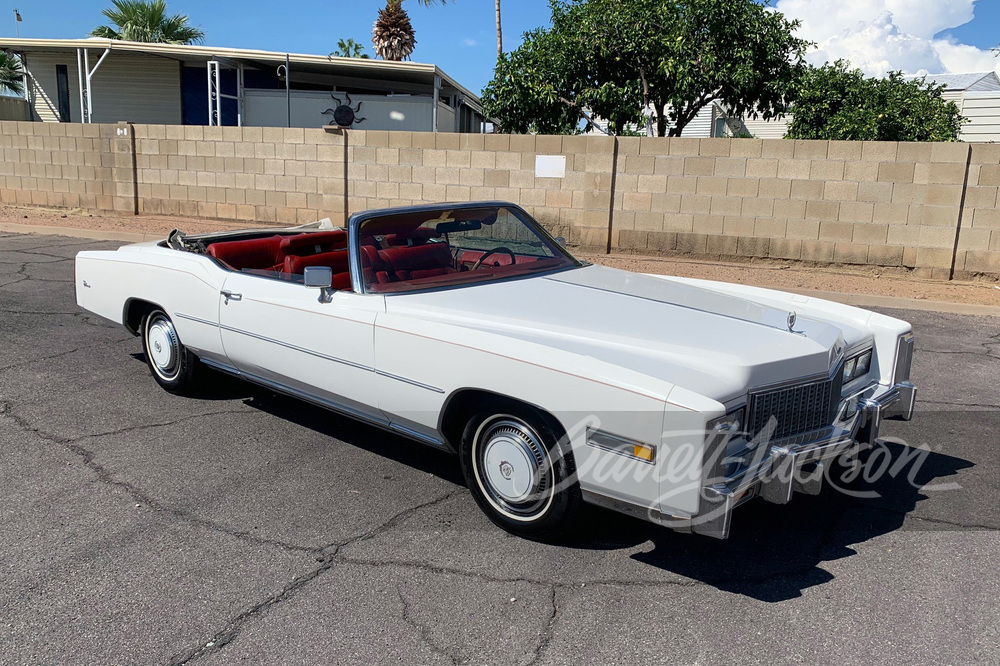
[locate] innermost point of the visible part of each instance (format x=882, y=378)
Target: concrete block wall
x=874, y=203
x=931, y=208
x=66, y=165
x=298, y=175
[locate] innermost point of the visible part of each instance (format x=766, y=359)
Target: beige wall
x=65, y=165
x=13, y=108
x=884, y=204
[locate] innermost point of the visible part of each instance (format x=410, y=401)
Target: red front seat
x=418, y=261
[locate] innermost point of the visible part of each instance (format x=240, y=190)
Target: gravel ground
x=759, y=272
x=244, y=527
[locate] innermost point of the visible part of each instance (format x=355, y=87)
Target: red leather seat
x=418, y=261
x=314, y=242
x=418, y=236
x=372, y=266
x=260, y=253
x=336, y=260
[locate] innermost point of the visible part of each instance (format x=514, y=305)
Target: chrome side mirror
x=561, y=241
x=320, y=277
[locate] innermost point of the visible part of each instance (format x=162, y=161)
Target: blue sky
x=913, y=35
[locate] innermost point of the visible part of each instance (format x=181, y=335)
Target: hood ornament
x=791, y=321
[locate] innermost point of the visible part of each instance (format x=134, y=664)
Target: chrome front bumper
x=798, y=466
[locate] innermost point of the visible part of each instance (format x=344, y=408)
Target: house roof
x=410, y=72
x=967, y=81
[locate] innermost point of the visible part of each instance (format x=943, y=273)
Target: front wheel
x=172, y=365
x=520, y=472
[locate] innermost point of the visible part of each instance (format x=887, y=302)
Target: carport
x=182, y=84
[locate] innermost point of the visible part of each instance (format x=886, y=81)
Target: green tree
x=147, y=21
x=835, y=102
x=11, y=73
x=616, y=57
x=348, y=48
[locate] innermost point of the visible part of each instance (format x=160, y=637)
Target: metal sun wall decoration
x=344, y=114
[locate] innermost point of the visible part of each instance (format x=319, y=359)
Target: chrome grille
x=796, y=409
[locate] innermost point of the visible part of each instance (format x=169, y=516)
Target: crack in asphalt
x=424, y=632
x=327, y=561
x=958, y=404
x=550, y=628
x=63, y=353
x=137, y=494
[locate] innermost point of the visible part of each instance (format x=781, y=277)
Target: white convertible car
x=467, y=327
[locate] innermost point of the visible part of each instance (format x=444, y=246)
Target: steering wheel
x=497, y=250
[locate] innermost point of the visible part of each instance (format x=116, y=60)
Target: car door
x=277, y=331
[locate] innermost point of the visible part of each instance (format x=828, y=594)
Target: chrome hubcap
x=163, y=346
x=513, y=467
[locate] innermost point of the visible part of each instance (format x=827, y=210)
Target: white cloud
x=883, y=35
x=469, y=41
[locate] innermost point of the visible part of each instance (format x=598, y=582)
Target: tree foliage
x=616, y=57
x=839, y=103
x=147, y=21
x=11, y=73
x=348, y=48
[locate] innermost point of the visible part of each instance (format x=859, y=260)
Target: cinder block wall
x=66, y=166
x=884, y=204
x=281, y=175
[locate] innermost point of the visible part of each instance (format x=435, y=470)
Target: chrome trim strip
x=340, y=408
x=412, y=382
x=325, y=357
x=413, y=434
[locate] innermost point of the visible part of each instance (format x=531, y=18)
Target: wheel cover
x=163, y=347
x=513, y=468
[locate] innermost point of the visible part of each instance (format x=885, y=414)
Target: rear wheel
x=520, y=472
x=172, y=365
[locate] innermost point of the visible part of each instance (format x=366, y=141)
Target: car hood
x=714, y=344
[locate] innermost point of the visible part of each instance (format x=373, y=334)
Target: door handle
x=230, y=296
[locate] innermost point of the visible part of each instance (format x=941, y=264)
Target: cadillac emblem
x=791, y=319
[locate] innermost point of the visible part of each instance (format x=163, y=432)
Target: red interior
x=411, y=257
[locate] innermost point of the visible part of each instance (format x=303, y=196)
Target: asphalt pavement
x=245, y=527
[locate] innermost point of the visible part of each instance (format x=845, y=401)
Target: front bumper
x=787, y=467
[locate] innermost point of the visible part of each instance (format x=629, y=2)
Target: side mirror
x=561, y=241
x=320, y=277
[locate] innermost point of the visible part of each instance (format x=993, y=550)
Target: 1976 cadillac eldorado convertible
x=469, y=328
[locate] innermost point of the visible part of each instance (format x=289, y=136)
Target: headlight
x=864, y=363
x=849, y=366
x=730, y=424
x=857, y=366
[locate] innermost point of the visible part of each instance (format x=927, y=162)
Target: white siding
x=775, y=128
x=267, y=108
x=982, y=109
x=127, y=86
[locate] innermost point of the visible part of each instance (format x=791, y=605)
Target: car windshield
x=426, y=249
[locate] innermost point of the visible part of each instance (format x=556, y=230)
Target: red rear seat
x=314, y=242
x=261, y=253
x=418, y=261
x=337, y=261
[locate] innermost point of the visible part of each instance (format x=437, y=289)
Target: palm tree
x=499, y=33
x=392, y=34
x=147, y=21
x=348, y=48
x=11, y=73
